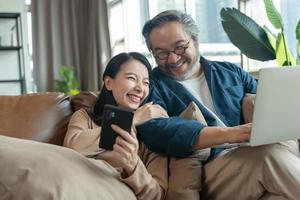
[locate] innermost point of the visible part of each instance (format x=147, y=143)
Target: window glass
x=290, y=11
x=157, y=6
x=116, y=25
x=209, y=20
x=214, y=43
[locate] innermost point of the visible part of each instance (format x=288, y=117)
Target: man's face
x=170, y=39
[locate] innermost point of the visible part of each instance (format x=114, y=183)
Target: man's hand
x=147, y=112
x=212, y=136
x=239, y=133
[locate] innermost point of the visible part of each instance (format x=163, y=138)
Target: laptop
x=276, y=116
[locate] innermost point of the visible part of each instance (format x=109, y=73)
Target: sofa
x=39, y=167
x=42, y=120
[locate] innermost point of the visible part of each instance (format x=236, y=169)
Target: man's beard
x=191, y=70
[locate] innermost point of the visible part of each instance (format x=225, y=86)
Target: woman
x=126, y=84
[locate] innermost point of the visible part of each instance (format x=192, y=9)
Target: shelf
x=9, y=15
x=11, y=81
x=12, y=55
x=9, y=48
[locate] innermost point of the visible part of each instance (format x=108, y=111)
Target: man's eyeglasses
x=180, y=50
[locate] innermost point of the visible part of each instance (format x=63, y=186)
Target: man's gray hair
x=167, y=16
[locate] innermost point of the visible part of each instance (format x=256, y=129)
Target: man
x=217, y=88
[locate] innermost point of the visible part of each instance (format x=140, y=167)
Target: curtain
x=73, y=33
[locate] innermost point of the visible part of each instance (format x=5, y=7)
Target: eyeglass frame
x=182, y=47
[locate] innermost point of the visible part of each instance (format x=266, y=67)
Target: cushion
x=248, y=107
x=40, y=116
x=34, y=170
x=85, y=99
x=183, y=185
x=193, y=112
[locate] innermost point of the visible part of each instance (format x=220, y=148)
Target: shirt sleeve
x=249, y=83
x=173, y=136
x=149, y=179
x=82, y=134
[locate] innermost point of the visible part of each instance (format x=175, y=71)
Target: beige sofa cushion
x=34, y=170
x=185, y=174
x=248, y=107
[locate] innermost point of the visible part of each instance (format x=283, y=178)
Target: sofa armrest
x=248, y=107
x=40, y=116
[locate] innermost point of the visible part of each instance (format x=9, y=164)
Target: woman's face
x=131, y=84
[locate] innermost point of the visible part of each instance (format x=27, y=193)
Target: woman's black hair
x=111, y=70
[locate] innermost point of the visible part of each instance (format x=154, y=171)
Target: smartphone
x=114, y=115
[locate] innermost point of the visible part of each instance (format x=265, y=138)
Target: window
x=214, y=41
x=31, y=87
x=290, y=12
x=116, y=24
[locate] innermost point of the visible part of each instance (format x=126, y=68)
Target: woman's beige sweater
x=150, y=177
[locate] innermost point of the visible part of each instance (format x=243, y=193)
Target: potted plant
x=69, y=83
x=257, y=42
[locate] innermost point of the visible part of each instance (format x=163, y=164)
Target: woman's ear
x=108, y=81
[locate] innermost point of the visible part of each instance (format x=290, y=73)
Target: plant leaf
x=298, y=38
x=281, y=54
x=69, y=83
x=74, y=92
x=273, y=14
x=271, y=37
x=298, y=31
x=247, y=35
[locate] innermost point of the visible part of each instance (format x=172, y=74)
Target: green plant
x=258, y=42
x=69, y=83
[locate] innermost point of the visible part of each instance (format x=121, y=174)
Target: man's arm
x=178, y=137
x=172, y=136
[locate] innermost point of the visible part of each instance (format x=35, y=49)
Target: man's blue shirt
x=175, y=136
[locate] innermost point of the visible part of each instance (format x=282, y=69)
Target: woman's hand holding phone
x=125, y=151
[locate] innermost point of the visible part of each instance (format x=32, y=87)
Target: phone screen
x=114, y=115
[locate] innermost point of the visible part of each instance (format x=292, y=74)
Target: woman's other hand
x=125, y=151
x=147, y=112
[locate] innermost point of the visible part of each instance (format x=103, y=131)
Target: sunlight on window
x=31, y=87
x=117, y=35
x=27, y=2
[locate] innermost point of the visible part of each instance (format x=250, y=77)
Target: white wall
x=11, y=5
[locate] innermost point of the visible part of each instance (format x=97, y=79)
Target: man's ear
x=108, y=81
x=196, y=43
